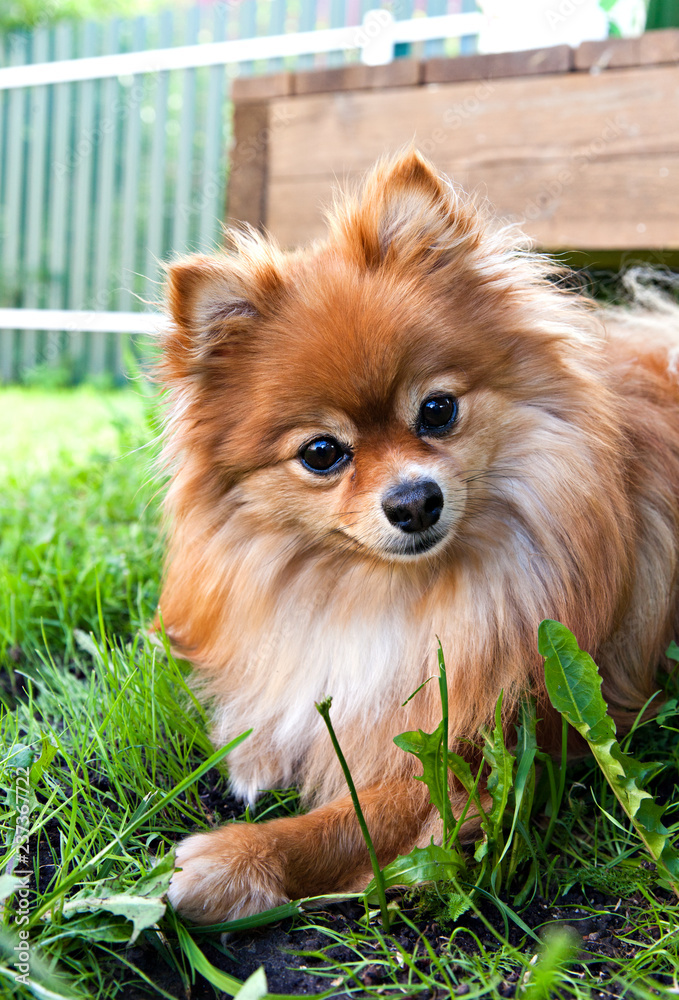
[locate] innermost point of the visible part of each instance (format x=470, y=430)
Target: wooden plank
x=630, y=111
x=612, y=52
x=561, y=204
x=246, y=198
x=261, y=88
x=356, y=76
x=512, y=138
x=660, y=47
x=557, y=59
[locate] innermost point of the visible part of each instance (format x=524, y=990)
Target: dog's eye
x=323, y=455
x=437, y=413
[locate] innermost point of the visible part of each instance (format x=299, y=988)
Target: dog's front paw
x=230, y=873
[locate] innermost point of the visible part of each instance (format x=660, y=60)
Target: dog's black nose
x=414, y=506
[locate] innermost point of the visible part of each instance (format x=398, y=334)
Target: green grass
x=120, y=768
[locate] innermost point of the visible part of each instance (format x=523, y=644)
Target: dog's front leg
x=244, y=868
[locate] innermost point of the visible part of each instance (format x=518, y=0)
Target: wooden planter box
x=579, y=146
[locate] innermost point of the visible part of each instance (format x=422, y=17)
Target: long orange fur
x=560, y=481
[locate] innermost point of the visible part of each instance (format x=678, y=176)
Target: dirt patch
x=293, y=953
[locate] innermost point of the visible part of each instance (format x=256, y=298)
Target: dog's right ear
x=216, y=301
x=208, y=296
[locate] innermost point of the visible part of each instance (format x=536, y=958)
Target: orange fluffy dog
x=405, y=431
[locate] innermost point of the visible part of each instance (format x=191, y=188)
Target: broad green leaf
x=47, y=754
x=156, y=881
x=423, y=864
x=255, y=986
x=20, y=756
x=142, y=911
x=672, y=651
x=524, y=783
x=96, y=926
x=9, y=884
x=501, y=763
x=572, y=680
x=141, y=902
x=149, y=807
x=36, y=988
x=428, y=748
x=574, y=687
x=668, y=710
x=499, y=785
x=463, y=772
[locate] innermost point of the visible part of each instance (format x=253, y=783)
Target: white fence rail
x=375, y=39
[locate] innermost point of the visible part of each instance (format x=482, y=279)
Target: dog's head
x=375, y=392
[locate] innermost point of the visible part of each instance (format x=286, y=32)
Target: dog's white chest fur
x=351, y=644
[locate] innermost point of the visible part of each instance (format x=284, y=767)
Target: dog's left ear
x=407, y=215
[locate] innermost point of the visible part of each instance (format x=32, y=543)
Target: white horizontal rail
x=375, y=38
x=75, y=321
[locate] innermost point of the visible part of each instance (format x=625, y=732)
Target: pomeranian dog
x=407, y=431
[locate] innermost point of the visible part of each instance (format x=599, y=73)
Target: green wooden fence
x=102, y=180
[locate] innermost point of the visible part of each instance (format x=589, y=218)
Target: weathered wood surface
x=247, y=193
x=582, y=160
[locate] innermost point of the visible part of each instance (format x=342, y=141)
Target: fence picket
x=156, y=171
x=247, y=28
x=58, y=192
x=307, y=22
x=83, y=146
x=129, y=200
x=14, y=190
x=35, y=199
x=183, y=207
x=276, y=26
x=211, y=178
x=103, y=199
x=338, y=18
x=437, y=46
